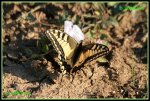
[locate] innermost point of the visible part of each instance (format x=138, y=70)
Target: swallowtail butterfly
x=72, y=55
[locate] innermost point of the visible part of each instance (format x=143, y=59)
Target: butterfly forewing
x=63, y=44
x=90, y=52
x=52, y=36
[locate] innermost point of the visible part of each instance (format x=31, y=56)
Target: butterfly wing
x=63, y=44
x=90, y=52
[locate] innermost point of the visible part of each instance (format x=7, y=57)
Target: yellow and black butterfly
x=72, y=55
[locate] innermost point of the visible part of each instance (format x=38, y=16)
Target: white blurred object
x=74, y=31
x=68, y=27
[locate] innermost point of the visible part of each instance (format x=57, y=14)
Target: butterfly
x=72, y=55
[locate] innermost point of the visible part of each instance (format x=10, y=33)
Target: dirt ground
x=125, y=75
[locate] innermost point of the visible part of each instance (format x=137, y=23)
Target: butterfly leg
x=72, y=74
x=84, y=72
